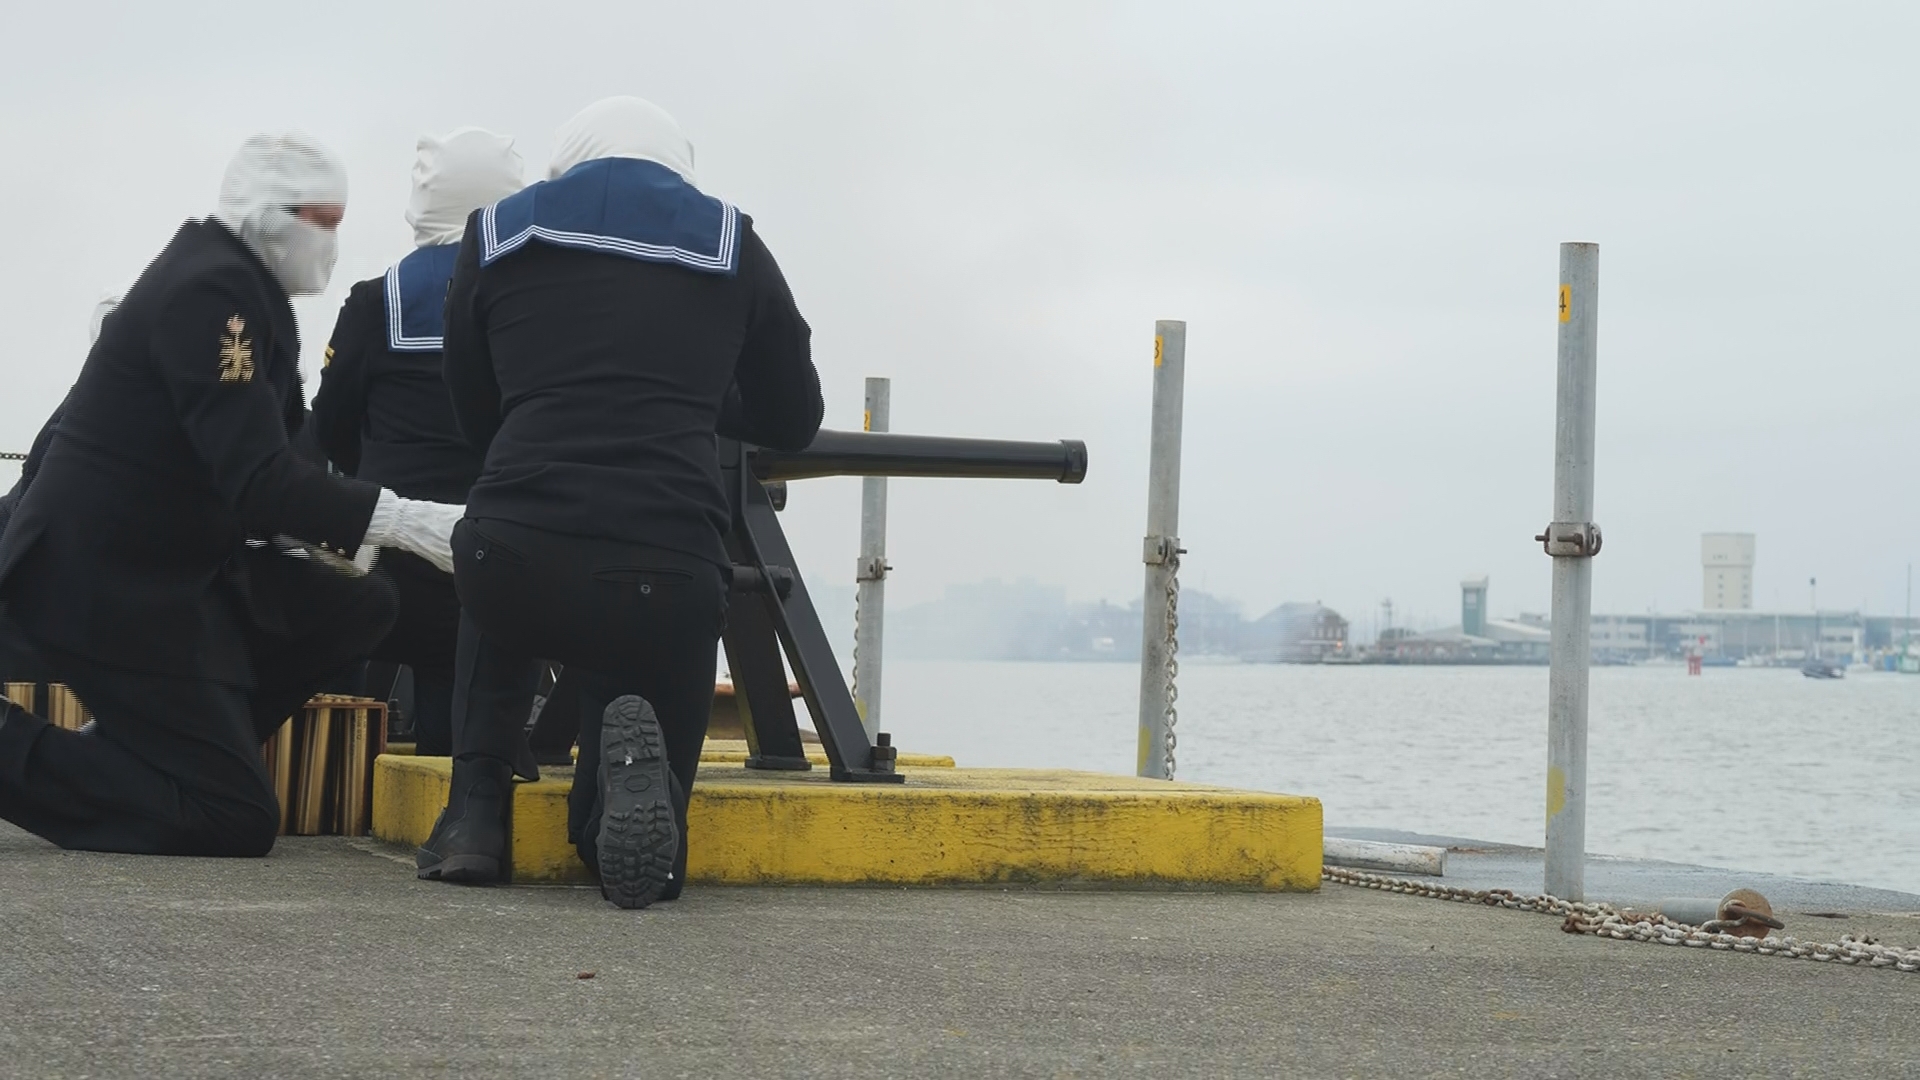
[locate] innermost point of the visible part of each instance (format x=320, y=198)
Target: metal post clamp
x=1571, y=539
x=1160, y=550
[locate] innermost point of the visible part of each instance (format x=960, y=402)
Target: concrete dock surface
x=328, y=959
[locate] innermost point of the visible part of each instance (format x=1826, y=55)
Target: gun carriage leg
x=772, y=606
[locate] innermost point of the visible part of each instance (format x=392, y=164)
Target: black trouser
x=423, y=638
x=623, y=619
x=174, y=765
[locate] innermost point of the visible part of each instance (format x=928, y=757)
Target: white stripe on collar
x=397, y=340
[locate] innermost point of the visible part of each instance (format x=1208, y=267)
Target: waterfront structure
x=1756, y=638
x=1477, y=640
x=1027, y=620
x=1473, y=606
x=1753, y=637
x=1616, y=637
x=1296, y=633
x=1726, y=567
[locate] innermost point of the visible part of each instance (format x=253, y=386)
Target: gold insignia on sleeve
x=236, y=352
x=327, y=359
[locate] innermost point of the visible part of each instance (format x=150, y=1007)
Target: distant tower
x=1473, y=606
x=1726, y=563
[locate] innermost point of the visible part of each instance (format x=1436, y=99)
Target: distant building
x=1726, y=564
x=1757, y=637
x=1473, y=606
x=1213, y=625
x=1477, y=640
x=1617, y=637
x=1295, y=633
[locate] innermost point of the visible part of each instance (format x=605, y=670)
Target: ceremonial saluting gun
x=771, y=612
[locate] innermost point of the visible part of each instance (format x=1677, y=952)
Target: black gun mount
x=763, y=622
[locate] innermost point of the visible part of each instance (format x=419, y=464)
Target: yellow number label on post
x=866, y=420
x=1566, y=302
x=1158, y=345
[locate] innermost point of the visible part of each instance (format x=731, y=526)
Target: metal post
x=870, y=607
x=1159, y=637
x=1572, y=539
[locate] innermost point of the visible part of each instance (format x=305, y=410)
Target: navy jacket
x=35, y=455
x=594, y=381
x=382, y=412
x=171, y=450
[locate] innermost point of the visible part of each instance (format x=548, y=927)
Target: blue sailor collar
x=621, y=206
x=417, y=298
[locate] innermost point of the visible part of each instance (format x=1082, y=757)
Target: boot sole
x=462, y=870
x=638, y=835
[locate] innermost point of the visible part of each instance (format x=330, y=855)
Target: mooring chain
x=1604, y=920
x=8, y=455
x=1173, y=651
x=853, y=683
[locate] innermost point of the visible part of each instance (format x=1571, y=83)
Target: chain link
x=1604, y=920
x=1173, y=651
x=8, y=455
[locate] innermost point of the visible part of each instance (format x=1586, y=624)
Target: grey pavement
x=328, y=959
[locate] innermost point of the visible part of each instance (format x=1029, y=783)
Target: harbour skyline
x=1370, y=362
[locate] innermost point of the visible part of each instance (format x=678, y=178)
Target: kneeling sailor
x=17, y=660
x=174, y=561
x=382, y=412
x=601, y=327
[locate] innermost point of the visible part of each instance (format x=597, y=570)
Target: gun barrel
x=876, y=453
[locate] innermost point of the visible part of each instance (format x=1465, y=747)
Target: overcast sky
x=1356, y=207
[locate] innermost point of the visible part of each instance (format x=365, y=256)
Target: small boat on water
x=1816, y=667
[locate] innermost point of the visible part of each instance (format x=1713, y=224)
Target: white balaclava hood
x=622, y=127
x=456, y=174
x=266, y=181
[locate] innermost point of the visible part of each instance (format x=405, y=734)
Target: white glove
x=413, y=525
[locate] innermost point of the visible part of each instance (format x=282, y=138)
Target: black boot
x=672, y=891
x=639, y=838
x=589, y=846
x=469, y=841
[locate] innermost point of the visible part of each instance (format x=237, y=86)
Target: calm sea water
x=1760, y=770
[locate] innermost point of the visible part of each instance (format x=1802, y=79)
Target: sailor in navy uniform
x=382, y=412
x=601, y=328
x=38, y=451
x=29, y=468
x=18, y=661
x=172, y=561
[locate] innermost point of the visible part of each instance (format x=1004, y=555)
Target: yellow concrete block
x=408, y=794
x=719, y=751
x=734, y=752
x=944, y=826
